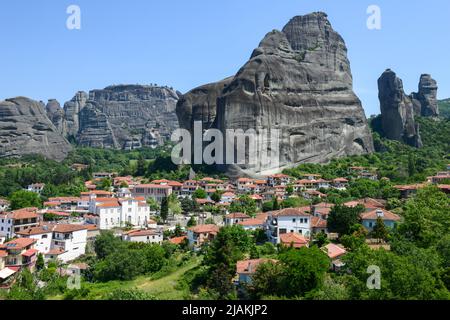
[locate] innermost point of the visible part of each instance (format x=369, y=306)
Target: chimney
x=380, y=213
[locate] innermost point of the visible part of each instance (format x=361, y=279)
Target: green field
x=164, y=288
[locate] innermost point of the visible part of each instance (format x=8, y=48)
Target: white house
x=290, y=220
x=64, y=242
x=36, y=187
x=252, y=224
x=18, y=220
x=113, y=213
x=233, y=218
x=145, y=236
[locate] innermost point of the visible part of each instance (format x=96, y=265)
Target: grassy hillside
x=444, y=108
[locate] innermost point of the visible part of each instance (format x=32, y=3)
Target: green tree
x=379, y=230
x=192, y=222
x=24, y=199
x=200, y=194
x=342, y=218
x=40, y=264
x=106, y=243
x=164, y=209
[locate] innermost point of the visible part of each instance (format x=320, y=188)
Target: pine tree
x=164, y=209
x=379, y=230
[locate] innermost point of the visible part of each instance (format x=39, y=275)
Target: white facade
x=145, y=236
x=126, y=211
x=72, y=243
x=279, y=224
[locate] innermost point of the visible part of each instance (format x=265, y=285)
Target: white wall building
x=290, y=220
x=145, y=236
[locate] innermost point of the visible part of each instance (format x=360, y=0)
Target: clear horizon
x=186, y=44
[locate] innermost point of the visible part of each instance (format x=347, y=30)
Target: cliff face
x=26, y=129
x=56, y=115
x=397, y=110
x=426, y=97
x=122, y=117
x=297, y=81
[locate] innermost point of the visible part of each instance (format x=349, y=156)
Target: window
x=282, y=231
x=293, y=220
x=44, y=236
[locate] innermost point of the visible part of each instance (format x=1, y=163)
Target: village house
x=407, y=191
x=114, y=212
x=290, y=220
x=318, y=225
x=321, y=210
x=294, y=240
x=228, y=197
x=340, y=183
x=4, y=205
x=335, y=253
x=145, y=236
x=20, y=254
x=369, y=218
x=234, y=218
x=104, y=175
x=154, y=191
x=65, y=242
x=252, y=224
x=200, y=234
x=246, y=268
x=439, y=178
x=278, y=180
x=36, y=187
x=18, y=220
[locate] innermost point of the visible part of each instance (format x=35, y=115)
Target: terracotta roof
x=26, y=213
x=30, y=253
x=177, y=240
x=205, y=228
x=228, y=194
x=55, y=251
x=317, y=222
x=386, y=215
x=251, y=222
x=153, y=186
x=142, y=233
x=294, y=239
x=250, y=266
x=68, y=228
x=303, y=211
x=110, y=204
x=35, y=231
x=19, y=243
x=237, y=215
x=333, y=251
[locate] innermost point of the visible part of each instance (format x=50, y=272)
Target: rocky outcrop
x=72, y=111
x=123, y=116
x=297, y=81
x=26, y=129
x=397, y=110
x=56, y=115
x=425, y=100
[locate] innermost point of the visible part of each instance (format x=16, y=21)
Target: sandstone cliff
x=298, y=81
x=122, y=117
x=26, y=129
x=397, y=110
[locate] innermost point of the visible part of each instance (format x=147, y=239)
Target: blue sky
x=186, y=43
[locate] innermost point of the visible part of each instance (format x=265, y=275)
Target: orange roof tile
x=295, y=239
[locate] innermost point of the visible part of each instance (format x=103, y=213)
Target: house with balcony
x=20, y=254
x=278, y=180
x=70, y=239
x=289, y=220
x=18, y=220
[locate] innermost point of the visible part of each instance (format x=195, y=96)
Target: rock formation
x=26, y=129
x=72, y=110
x=297, y=81
x=56, y=115
x=123, y=117
x=425, y=100
x=397, y=110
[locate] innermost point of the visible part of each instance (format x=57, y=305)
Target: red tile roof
x=68, y=228
x=295, y=239
x=292, y=212
x=19, y=243
x=30, y=253
x=250, y=266
x=205, y=228
x=333, y=251
x=177, y=240
x=251, y=222
x=237, y=215
x=385, y=215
